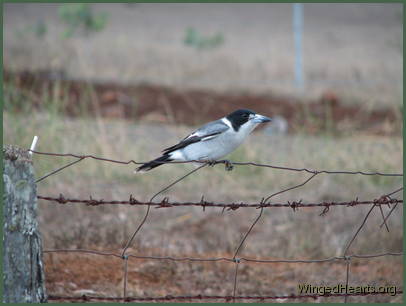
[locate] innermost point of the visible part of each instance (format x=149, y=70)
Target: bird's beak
x=260, y=119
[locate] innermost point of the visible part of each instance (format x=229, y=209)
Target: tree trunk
x=23, y=269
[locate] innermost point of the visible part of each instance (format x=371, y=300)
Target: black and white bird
x=212, y=141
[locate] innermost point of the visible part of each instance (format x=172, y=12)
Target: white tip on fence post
x=34, y=143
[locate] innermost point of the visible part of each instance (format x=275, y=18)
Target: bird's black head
x=239, y=117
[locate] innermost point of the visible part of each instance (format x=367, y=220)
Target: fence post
x=23, y=269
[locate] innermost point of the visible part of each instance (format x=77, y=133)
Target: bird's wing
x=206, y=132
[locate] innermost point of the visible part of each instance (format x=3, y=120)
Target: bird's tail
x=153, y=163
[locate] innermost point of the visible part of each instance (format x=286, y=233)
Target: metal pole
x=297, y=32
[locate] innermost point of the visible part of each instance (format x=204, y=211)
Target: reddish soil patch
x=76, y=274
x=162, y=104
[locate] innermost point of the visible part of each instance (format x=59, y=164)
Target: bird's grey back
x=213, y=127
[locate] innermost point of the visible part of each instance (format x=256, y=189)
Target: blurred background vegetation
x=123, y=81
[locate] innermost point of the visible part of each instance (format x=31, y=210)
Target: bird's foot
x=228, y=165
x=211, y=163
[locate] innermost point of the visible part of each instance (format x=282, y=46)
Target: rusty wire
x=165, y=203
x=235, y=278
x=227, y=163
x=125, y=275
x=264, y=203
x=149, y=206
x=387, y=216
x=383, y=217
x=225, y=259
x=358, y=230
x=346, y=259
x=347, y=278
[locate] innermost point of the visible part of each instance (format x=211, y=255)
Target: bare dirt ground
x=158, y=104
x=105, y=276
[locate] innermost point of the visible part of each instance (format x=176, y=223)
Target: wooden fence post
x=23, y=269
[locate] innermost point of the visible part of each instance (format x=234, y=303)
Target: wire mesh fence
x=387, y=199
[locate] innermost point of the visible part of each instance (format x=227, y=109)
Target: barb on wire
x=225, y=162
x=149, y=206
x=388, y=196
x=213, y=297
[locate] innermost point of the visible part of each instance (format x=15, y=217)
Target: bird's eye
x=245, y=115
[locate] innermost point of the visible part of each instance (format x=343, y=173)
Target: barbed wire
x=385, y=199
x=165, y=203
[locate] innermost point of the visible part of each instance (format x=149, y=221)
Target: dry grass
x=354, y=49
x=281, y=233
x=125, y=141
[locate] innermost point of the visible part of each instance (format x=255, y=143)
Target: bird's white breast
x=217, y=147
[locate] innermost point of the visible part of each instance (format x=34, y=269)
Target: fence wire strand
x=225, y=259
x=149, y=206
x=227, y=298
x=224, y=162
x=165, y=203
x=385, y=199
x=358, y=230
x=347, y=278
